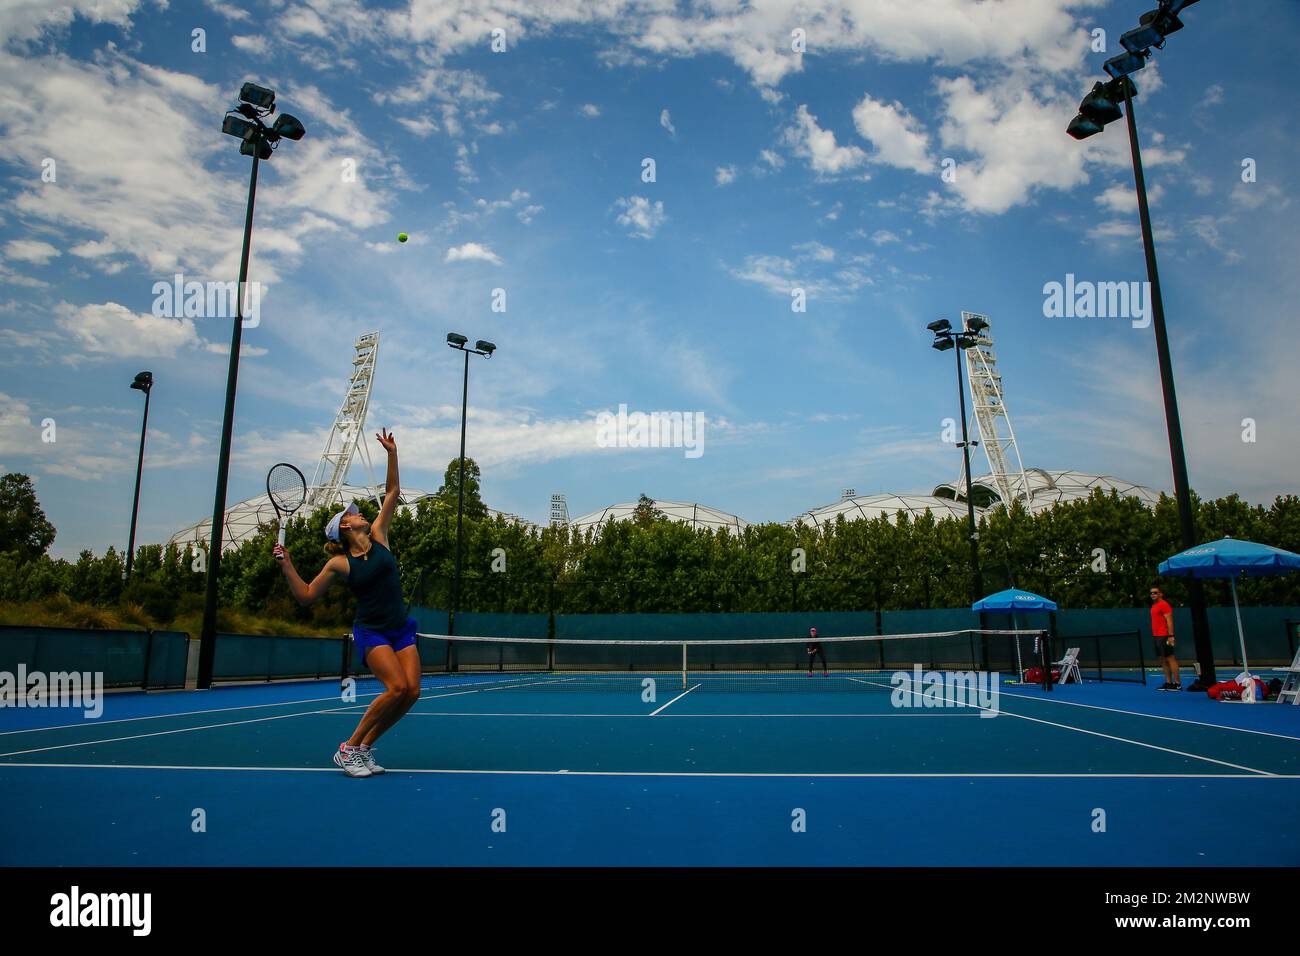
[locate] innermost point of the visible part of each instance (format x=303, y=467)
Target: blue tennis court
x=491, y=769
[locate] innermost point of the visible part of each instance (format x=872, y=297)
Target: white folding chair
x=1069, y=665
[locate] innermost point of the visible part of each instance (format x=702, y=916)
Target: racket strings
x=286, y=487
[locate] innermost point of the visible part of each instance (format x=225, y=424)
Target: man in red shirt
x=1162, y=629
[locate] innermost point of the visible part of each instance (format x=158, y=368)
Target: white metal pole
x=1241, y=635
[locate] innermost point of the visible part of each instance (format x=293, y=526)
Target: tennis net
x=777, y=664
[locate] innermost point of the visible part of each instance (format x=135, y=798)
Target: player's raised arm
x=392, y=489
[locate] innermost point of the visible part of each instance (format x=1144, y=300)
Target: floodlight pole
x=460, y=504
x=977, y=579
x=1182, y=490
x=139, y=468
x=208, y=635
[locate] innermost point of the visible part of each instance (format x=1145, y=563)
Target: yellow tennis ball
x=402, y=237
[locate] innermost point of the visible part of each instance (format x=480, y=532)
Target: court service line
x=393, y=771
x=160, y=733
x=673, y=701
x=1138, y=713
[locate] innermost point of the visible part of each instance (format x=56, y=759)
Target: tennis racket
x=287, y=489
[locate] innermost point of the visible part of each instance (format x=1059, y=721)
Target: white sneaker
x=368, y=755
x=352, y=763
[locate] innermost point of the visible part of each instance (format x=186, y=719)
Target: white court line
x=1138, y=713
x=1096, y=733
x=212, y=710
x=182, y=713
x=655, y=713
x=468, y=713
x=677, y=773
x=160, y=733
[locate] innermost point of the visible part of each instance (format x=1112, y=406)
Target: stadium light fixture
x=256, y=139
x=1126, y=63
x=143, y=382
x=939, y=325
x=1154, y=26
x=290, y=127
x=234, y=126
x=1099, y=107
x=456, y=340
x=257, y=96
x=487, y=348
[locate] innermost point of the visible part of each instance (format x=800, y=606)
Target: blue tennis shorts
x=398, y=639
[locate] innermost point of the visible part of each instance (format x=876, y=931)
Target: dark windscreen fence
x=149, y=660
x=776, y=664
x=1114, y=656
x=257, y=657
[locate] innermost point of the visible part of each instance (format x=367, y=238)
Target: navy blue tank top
x=375, y=582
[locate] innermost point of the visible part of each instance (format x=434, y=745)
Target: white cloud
x=810, y=268
x=421, y=126
x=255, y=45
x=771, y=158
x=1016, y=140
x=1257, y=195
x=470, y=252
x=30, y=250
x=724, y=175
x=898, y=137
x=29, y=19
x=589, y=110
x=1123, y=199
x=755, y=36
x=818, y=146
x=666, y=122
x=640, y=216
x=113, y=330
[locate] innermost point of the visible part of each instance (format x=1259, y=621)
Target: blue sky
x=522, y=170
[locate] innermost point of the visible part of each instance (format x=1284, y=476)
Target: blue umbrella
x=1013, y=600
x=1228, y=558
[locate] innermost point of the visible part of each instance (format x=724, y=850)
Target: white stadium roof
x=695, y=515
x=245, y=518
x=1048, y=488
x=886, y=505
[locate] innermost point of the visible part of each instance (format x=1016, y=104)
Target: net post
x=344, y=661
x=1142, y=664
x=1044, y=659
x=683, y=665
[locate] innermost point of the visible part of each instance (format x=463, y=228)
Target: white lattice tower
x=349, y=425
x=559, y=510
x=989, y=412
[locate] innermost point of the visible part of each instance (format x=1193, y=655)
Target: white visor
x=332, y=529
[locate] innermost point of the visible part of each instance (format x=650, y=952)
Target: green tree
x=447, y=494
x=24, y=529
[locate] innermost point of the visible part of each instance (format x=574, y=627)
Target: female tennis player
x=381, y=628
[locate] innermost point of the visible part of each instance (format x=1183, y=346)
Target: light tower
x=989, y=411
x=559, y=510
x=345, y=436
